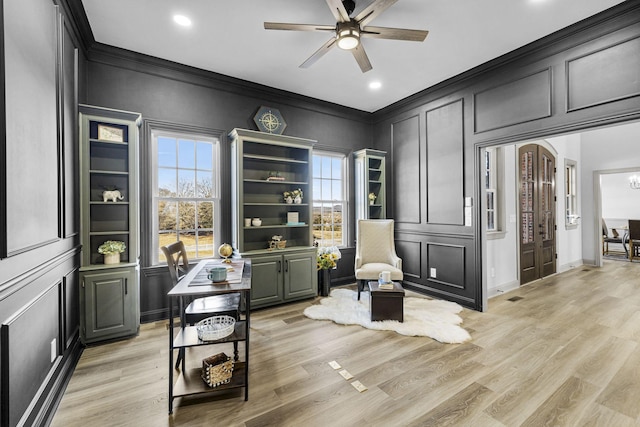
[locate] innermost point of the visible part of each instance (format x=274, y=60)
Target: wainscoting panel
x=442, y=263
x=32, y=165
x=604, y=76
x=411, y=258
x=515, y=102
x=445, y=163
x=407, y=161
x=26, y=352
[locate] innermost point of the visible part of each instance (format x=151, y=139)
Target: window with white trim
x=185, y=193
x=329, y=198
x=491, y=188
x=571, y=192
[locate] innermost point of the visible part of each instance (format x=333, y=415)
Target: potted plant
x=293, y=196
x=326, y=260
x=111, y=249
x=372, y=198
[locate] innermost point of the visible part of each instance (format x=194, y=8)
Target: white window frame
x=493, y=186
x=343, y=157
x=215, y=199
x=571, y=216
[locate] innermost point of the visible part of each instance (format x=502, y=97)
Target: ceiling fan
x=348, y=31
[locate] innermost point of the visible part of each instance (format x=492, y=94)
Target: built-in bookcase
x=370, y=180
x=264, y=166
x=109, y=162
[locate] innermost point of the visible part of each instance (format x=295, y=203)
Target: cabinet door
x=266, y=280
x=300, y=279
x=109, y=304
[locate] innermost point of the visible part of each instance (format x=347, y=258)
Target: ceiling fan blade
x=362, y=58
x=394, y=33
x=338, y=10
x=370, y=12
x=319, y=53
x=297, y=27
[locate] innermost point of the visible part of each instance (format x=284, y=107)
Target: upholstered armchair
x=376, y=252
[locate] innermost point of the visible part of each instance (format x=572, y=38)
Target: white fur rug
x=422, y=317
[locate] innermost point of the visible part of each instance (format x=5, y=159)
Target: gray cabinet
x=370, y=180
x=264, y=167
x=109, y=301
x=109, y=163
x=283, y=277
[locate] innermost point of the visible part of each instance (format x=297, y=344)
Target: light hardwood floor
x=562, y=351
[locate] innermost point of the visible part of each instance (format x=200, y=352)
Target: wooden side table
x=386, y=304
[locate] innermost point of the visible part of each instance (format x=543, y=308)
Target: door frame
x=596, y=227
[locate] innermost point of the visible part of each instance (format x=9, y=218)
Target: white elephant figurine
x=113, y=195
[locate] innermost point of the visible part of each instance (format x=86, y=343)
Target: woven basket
x=215, y=328
x=217, y=370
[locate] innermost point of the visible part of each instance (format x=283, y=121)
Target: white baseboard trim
x=570, y=265
x=503, y=288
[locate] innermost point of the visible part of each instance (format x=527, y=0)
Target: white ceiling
x=228, y=37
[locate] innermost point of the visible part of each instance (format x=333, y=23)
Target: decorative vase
x=324, y=282
x=112, y=258
x=288, y=200
x=371, y=202
x=297, y=200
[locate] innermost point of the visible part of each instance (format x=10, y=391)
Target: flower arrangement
x=293, y=193
x=372, y=197
x=111, y=247
x=327, y=258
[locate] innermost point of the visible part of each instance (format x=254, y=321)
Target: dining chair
x=634, y=239
x=376, y=252
x=199, y=308
x=606, y=239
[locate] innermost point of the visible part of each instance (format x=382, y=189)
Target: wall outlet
x=54, y=349
x=492, y=271
x=433, y=272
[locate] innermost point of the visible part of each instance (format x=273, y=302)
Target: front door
x=537, y=207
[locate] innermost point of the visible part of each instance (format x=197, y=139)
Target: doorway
x=537, y=212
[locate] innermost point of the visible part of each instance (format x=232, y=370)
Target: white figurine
x=113, y=195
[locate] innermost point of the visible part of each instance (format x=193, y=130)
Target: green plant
x=112, y=247
x=293, y=193
x=327, y=258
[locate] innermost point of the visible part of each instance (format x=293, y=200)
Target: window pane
x=167, y=215
x=205, y=215
x=186, y=154
x=167, y=152
x=336, y=190
x=204, y=156
x=189, y=240
x=187, y=215
x=205, y=245
x=336, y=168
x=186, y=183
x=205, y=184
x=166, y=182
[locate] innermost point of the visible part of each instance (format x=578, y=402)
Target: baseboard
x=48, y=404
x=570, y=265
x=503, y=288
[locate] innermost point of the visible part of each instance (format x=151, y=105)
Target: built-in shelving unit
x=109, y=161
x=264, y=166
x=370, y=179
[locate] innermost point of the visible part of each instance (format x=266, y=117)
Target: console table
x=196, y=284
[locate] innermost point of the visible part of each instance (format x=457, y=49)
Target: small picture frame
x=292, y=218
x=110, y=133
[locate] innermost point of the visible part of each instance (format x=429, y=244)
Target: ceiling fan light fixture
x=348, y=37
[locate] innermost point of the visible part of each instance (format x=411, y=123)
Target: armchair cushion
x=372, y=270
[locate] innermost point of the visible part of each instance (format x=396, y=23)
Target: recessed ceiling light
x=182, y=20
x=375, y=85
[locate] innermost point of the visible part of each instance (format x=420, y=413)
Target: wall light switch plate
x=432, y=272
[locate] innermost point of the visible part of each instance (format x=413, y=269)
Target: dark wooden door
x=537, y=206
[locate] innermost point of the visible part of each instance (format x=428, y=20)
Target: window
x=491, y=187
x=570, y=192
x=329, y=198
x=185, y=192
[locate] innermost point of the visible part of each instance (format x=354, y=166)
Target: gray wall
x=38, y=208
x=581, y=77
x=166, y=92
